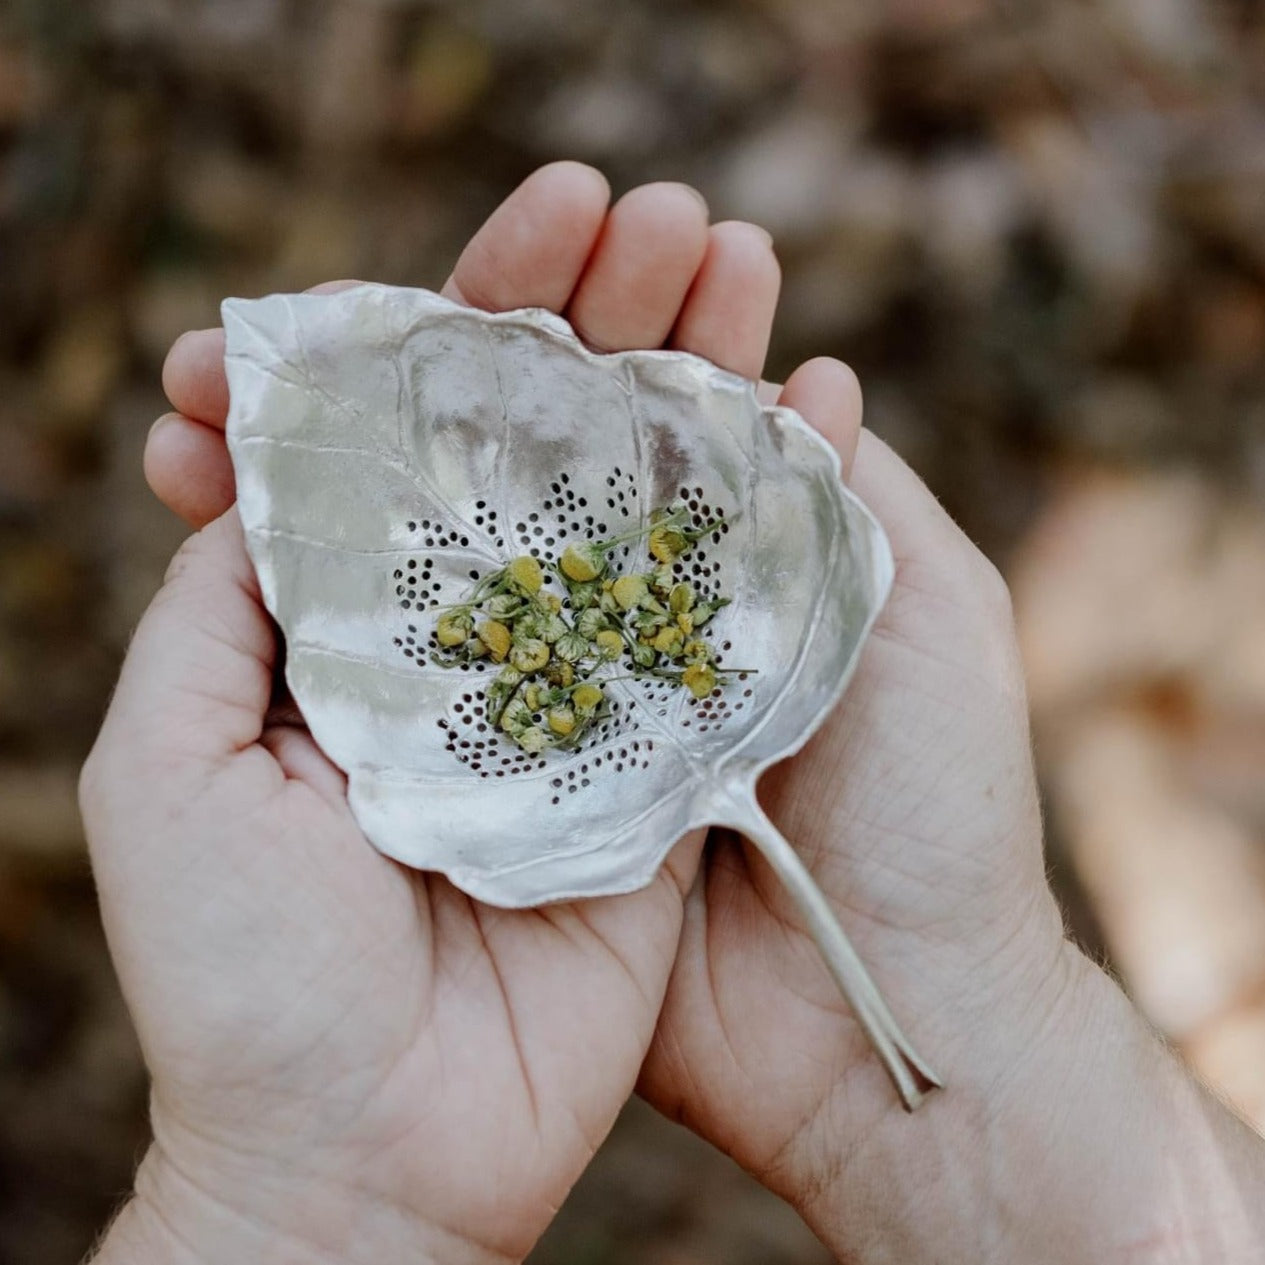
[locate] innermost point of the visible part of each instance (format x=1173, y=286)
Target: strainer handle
x=910, y=1075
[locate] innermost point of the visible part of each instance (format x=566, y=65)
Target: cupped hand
x=916, y=809
x=351, y=1059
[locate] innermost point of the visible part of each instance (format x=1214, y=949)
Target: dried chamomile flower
x=583, y=596
x=529, y=655
x=561, y=721
x=454, y=628
x=668, y=543
x=582, y=561
x=525, y=575
x=668, y=641
x=503, y=606
x=516, y=717
x=571, y=647
x=698, y=651
x=663, y=580
x=644, y=655
x=553, y=627
x=703, y=611
x=496, y=637
x=699, y=679
x=587, y=698
x=559, y=673
x=681, y=599
x=589, y=623
x=532, y=740
x=647, y=623
x=531, y=623
x=609, y=644
x=671, y=536
x=630, y=591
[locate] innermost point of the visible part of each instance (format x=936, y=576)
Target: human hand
x=1066, y=1132
x=351, y=1060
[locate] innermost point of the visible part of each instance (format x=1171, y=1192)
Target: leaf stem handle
x=909, y=1074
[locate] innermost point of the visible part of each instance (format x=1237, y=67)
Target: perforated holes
x=408, y=644
x=485, y=518
x=472, y=741
x=617, y=498
x=414, y=583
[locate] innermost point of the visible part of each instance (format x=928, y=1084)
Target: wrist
x=176, y=1218
x=1067, y=1133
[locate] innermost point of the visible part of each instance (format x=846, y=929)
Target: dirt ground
x=1038, y=233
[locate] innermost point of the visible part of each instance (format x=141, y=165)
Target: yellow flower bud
x=667, y=544
x=453, y=629
x=587, y=697
x=516, y=717
x=609, y=643
x=699, y=679
x=668, y=641
x=581, y=563
x=533, y=740
x=496, y=637
x=530, y=656
x=630, y=591
x=525, y=573
x=681, y=599
x=561, y=720
x=698, y=651
x=560, y=673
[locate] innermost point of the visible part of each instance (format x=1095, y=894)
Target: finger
x=827, y=395
x=188, y=468
x=921, y=531
x=533, y=248
x=193, y=373
x=728, y=315
x=301, y=760
x=193, y=377
x=651, y=247
x=198, y=676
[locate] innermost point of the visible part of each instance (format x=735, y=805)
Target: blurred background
x=1036, y=229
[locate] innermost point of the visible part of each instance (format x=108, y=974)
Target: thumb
x=198, y=676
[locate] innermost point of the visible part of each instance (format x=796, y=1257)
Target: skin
x=328, y=1033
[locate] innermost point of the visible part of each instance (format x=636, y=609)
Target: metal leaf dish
x=393, y=448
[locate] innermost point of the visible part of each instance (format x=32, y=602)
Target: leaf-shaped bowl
x=392, y=447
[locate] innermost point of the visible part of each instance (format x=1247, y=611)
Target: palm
x=380, y=1003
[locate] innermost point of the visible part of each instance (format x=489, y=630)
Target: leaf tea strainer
x=392, y=449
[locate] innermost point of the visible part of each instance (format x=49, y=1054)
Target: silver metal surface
x=391, y=447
